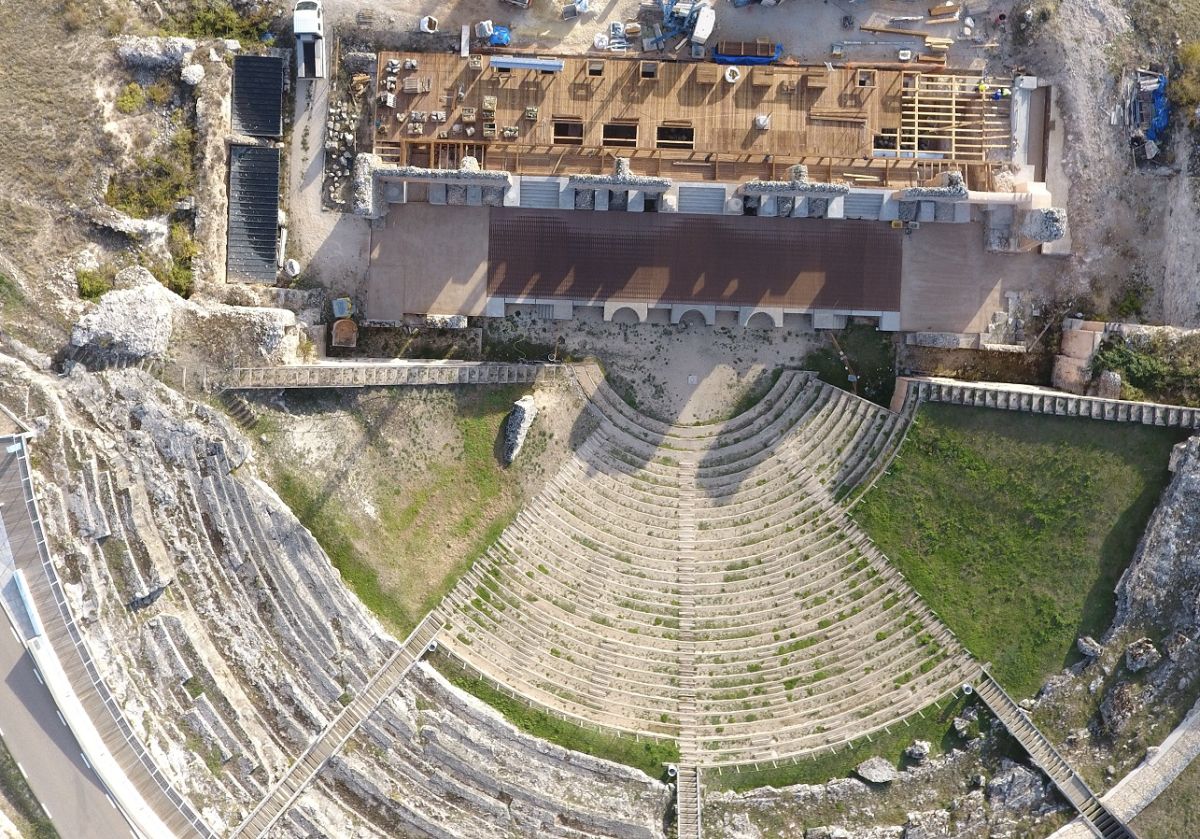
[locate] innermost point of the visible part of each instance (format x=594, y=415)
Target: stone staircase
x=1099, y=818
x=687, y=803
x=1041, y=401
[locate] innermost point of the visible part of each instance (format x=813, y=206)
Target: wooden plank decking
x=685, y=121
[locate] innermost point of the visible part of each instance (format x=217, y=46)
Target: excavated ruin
x=230, y=642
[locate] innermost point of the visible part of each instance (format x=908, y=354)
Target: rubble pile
x=341, y=130
x=1008, y=803
x=951, y=188
x=492, y=781
x=154, y=54
x=1045, y=225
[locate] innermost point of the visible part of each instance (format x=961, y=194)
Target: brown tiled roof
x=678, y=258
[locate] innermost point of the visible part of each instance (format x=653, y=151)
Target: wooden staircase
x=687, y=802
x=301, y=773
x=1098, y=817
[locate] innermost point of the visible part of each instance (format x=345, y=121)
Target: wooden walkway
x=374, y=374
x=31, y=552
x=1098, y=817
x=687, y=803
x=305, y=769
x=330, y=374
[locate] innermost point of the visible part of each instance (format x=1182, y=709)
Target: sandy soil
x=805, y=29
x=332, y=247
x=685, y=373
x=1125, y=224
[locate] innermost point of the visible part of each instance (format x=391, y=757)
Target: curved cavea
x=703, y=583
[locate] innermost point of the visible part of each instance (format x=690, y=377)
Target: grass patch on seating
x=755, y=392
x=425, y=496
x=1015, y=527
x=865, y=353
x=1176, y=811
x=934, y=724
x=650, y=756
x=22, y=805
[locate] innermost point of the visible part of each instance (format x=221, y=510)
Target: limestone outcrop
x=140, y=318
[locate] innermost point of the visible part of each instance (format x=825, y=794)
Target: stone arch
x=762, y=320
x=693, y=317
x=626, y=314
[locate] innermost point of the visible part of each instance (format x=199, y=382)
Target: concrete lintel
x=601, y=200
x=637, y=201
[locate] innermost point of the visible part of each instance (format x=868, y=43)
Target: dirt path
x=332, y=247
x=680, y=373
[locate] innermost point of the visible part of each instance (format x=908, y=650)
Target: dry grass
x=51, y=138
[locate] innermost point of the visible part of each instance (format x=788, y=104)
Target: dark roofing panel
x=258, y=95
x=679, y=258
x=253, y=214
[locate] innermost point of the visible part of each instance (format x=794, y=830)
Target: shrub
x=180, y=242
x=175, y=276
x=1184, y=89
x=75, y=14
x=131, y=99
x=159, y=181
x=92, y=284
x=218, y=19
x=160, y=93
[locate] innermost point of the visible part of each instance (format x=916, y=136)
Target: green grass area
x=1015, y=528
x=1176, y=811
x=933, y=724
x=31, y=819
x=430, y=531
x=650, y=756
x=869, y=355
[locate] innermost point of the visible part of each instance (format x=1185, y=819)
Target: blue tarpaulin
x=722, y=58
x=500, y=36
x=1162, y=111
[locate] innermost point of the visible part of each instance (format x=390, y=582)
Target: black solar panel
x=253, y=214
x=258, y=95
